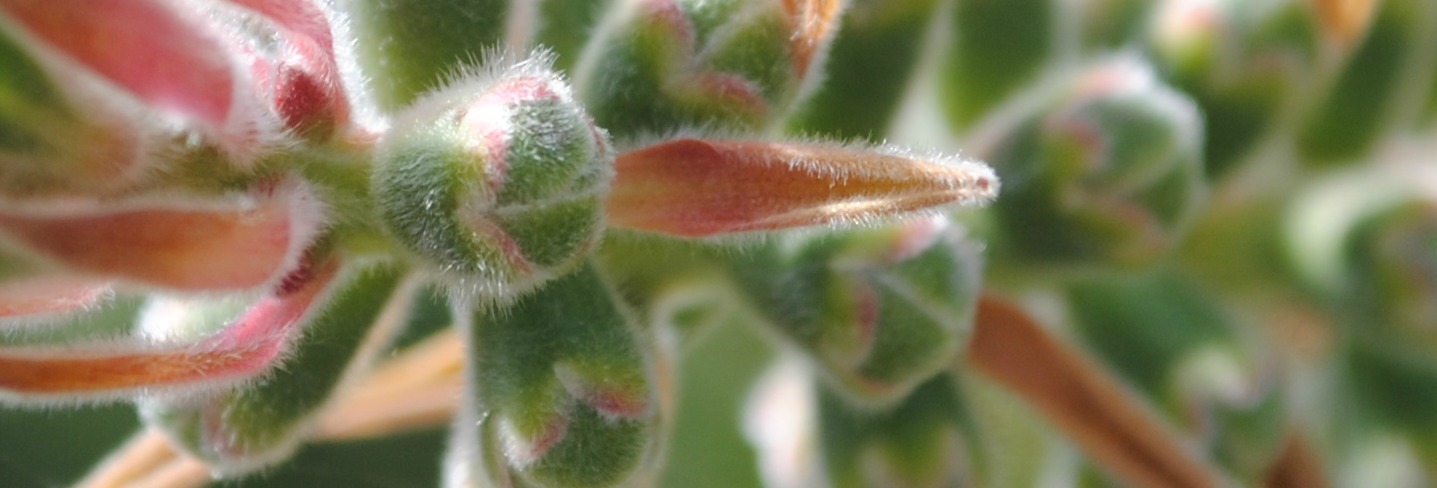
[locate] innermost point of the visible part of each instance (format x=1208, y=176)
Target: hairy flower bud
x=659, y=64
x=497, y=184
x=559, y=402
x=1366, y=243
x=1243, y=63
x=1110, y=172
x=880, y=309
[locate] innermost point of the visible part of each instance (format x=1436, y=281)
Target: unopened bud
x=560, y=402
x=497, y=185
x=1108, y=173
x=739, y=64
x=881, y=310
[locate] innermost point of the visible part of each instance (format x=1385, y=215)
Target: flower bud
x=263, y=422
x=1242, y=63
x=289, y=48
x=496, y=184
x=733, y=64
x=881, y=310
x=1366, y=243
x=1108, y=173
x=559, y=402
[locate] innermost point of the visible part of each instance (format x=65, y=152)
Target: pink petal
x=300, y=79
x=41, y=295
x=301, y=16
x=244, y=350
x=145, y=46
x=233, y=247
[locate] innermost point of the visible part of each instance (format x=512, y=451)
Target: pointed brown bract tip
x=813, y=23
x=1345, y=20
x=696, y=188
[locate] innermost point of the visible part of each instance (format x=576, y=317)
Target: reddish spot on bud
x=866, y=307
x=523, y=451
x=488, y=120
x=695, y=188
x=732, y=93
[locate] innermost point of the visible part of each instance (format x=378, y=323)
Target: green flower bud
x=881, y=310
x=1366, y=244
x=496, y=184
x=263, y=422
x=1108, y=173
x=996, y=47
x=655, y=65
x=1242, y=62
x=562, y=389
x=1175, y=345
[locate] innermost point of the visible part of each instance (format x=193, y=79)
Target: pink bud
x=695, y=187
x=240, y=243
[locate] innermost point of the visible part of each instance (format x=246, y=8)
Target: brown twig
x=1082, y=400
x=1297, y=467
